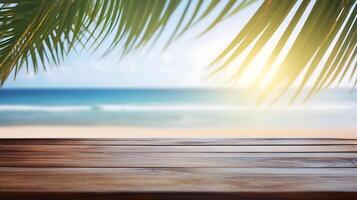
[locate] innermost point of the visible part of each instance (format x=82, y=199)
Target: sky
x=183, y=64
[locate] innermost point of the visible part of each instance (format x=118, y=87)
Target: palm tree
x=38, y=33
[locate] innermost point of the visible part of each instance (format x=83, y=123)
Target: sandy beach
x=133, y=132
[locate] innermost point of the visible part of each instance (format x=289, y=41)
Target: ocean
x=176, y=108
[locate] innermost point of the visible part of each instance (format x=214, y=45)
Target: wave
x=314, y=107
x=116, y=108
x=35, y=108
x=174, y=108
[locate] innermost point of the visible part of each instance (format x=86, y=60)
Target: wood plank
x=176, y=180
x=178, y=169
x=183, y=154
x=124, y=160
x=178, y=195
x=183, y=141
x=148, y=149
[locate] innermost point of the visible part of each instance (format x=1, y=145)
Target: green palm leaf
x=36, y=33
x=329, y=25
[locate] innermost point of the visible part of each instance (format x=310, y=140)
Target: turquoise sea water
x=178, y=108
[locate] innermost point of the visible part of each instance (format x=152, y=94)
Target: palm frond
x=323, y=52
x=36, y=33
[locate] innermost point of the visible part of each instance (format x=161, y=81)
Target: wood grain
x=174, y=149
x=176, y=180
x=178, y=169
x=180, y=195
x=125, y=160
x=184, y=141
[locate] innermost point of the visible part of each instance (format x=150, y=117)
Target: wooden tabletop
x=178, y=169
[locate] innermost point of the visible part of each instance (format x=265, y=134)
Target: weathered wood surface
x=178, y=169
x=186, y=141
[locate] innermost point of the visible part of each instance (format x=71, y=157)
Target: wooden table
x=178, y=169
